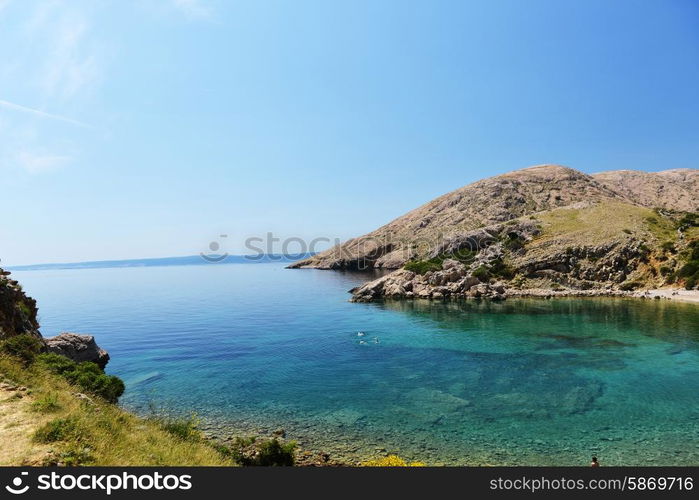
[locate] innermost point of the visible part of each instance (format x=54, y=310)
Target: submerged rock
x=78, y=348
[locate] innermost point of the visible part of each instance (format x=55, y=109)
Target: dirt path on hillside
x=17, y=425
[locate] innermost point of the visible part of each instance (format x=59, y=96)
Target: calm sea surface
x=252, y=348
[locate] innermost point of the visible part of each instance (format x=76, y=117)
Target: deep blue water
x=253, y=348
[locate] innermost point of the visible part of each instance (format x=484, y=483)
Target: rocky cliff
x=18, y=316
x=17, y=311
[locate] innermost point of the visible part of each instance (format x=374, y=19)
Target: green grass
x=48, y=403
x=98, y=432
x=59, y=429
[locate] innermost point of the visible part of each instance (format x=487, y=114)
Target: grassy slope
x=98, y=433
x=608, y=222
x=602, y=223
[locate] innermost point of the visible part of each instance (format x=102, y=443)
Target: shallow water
x=251, y=348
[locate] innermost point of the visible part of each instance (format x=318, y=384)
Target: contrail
x=42, y=114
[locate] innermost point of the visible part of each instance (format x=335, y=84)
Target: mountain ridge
x=495, y=200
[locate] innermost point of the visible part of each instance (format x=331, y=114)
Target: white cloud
x=70, y=66
x=195, y=9
x=39, y=163
x=41, y=114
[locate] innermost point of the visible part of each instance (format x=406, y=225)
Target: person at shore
x=594, y=462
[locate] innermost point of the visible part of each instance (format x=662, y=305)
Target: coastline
x=675, y=294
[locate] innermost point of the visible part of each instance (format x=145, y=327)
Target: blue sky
x=148, y=128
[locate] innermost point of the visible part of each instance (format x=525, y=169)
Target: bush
x=502, y=269
x=60, y=429
x=266, y=453
x=23, y=347
x=46, y=404
x=668, y=246
x=91, y=378
x=88, y=376
x=688, y=220
x=183, y=428
x=274, y=453
x=627, y=286
x=423, y=266
x=691, y=283
x=482, y=273
x=666, y=270
x=513, y=242
x=465, y=256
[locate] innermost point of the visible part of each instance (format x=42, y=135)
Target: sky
x=135, y=129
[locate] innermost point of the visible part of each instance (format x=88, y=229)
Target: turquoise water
x=253, y=348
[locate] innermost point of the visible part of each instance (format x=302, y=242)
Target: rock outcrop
x=17, y=311
x=77, y=347
x=18, y=316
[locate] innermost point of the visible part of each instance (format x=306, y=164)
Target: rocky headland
x=18, y=316
x=542, y=231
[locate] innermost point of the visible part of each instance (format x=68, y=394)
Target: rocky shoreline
x=456, y=280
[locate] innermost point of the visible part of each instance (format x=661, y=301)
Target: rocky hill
x=547, y=228
x=671, y=189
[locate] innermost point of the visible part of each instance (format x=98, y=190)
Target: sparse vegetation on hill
x=531, y=192
x=543, y=228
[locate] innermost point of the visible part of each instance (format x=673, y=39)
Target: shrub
x=666, y=270
x=464, y=255
x=183, y=428
x=24, y=309
x=23, y=347
x=60, y=429
x=482, y=273
x=689, y=269
x=688, y=220
x=668, y=246
x=513, y=241
x=391, y=461
x=46, y=404
x=691, y=283
x=423, y=266
x=266, y=453
x=627, y=286
x=274, y=453
x=88, y=376
x=502, y=269
x=91, y=378
x=56, y=363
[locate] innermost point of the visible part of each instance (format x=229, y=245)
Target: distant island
x=189, y=260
